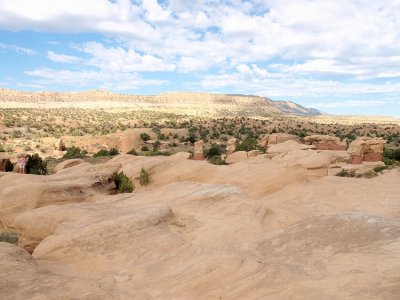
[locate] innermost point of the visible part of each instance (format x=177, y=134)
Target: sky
x=339, y=56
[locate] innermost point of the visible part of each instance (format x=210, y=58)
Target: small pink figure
x=21, y=164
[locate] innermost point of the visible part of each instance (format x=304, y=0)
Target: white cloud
x=274, y=48
x=260, y=81
x=62, y=58
x=107, y=80
x=18, y=49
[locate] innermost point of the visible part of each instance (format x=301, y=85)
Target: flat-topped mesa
x=277, y=138
x=325, y=142
x=366, y=149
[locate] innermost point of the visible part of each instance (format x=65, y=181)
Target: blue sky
x=342, y=57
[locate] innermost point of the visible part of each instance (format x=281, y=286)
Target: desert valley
x=195, y=196
x=199, y=150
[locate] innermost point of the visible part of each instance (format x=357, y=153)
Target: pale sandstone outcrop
x=287, y=146
x=68, y=163
x=253, y=153
x=277, y=138
x=200, y=231
x=198, y=150
x=236, y=157
x=325, y=142
x=366, y=149
x=231, y=146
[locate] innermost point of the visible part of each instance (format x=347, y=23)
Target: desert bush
x=370, y=174
x=247, y=145
x=378, y=169
x=35, y=165
x=114, y=151
x=346, y=173
x=144, y=148
x=132, y=152
x=105, y=152
x=391, y=153
x=214, y=150
x=74, y=152
x=217, y=160
x=123, y=183
x=144, y=177
x=10, y=237
x=157, y=153
x=9, y=166
x=144, y=136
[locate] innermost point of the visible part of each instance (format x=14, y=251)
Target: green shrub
x=35, y=165
x=144, y=136
x=215, y=150
x=9, y=166
x=105, y=152
x=144, y=148
x=10, y=237
x=392, y=154
x=122, y=183
x=378, y=169
x=74, y=152
x=144, y=177
x=346, y=173
x=157, y=153
x=247, y=145
x=102, y=152
x=114, y=151
x=132, y=152
x=370, y=174
x=217, y=160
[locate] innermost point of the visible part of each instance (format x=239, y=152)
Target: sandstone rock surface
x=258, y=229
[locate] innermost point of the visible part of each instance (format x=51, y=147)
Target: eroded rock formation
x=366, y=149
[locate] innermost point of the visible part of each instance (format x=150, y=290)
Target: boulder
x=366, y=149
x=236, y=157
x=325, y=142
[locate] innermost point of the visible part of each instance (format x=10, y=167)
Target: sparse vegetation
x=105, y=152
x=35, y=165
x=144, y=177
x=74, y=152
x=123, y=183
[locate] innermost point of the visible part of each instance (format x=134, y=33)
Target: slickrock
x=257, y=229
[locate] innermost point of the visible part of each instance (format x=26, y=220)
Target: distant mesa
x=189, y=103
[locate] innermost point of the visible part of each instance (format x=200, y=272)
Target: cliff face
x=202, y=103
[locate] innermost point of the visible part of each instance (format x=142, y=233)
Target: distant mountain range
x=180, y=103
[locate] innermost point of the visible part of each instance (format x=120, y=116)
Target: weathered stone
x=231, y=146
x=325, y=142
x=236, y=157
x=198, y=150
x=366, y=149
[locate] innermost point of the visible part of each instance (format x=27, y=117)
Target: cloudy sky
x=340, y=56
